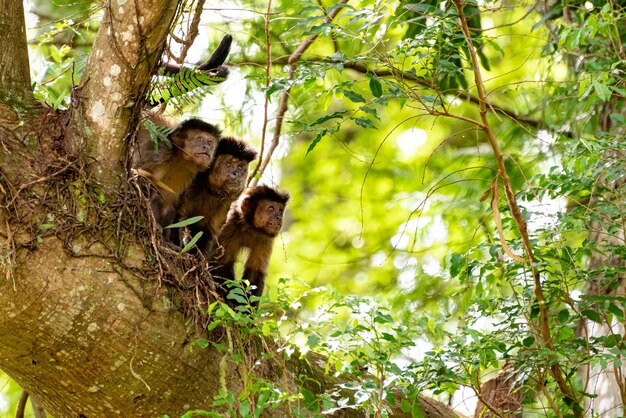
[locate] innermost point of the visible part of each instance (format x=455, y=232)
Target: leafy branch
x=265, y=158
x=544, y=325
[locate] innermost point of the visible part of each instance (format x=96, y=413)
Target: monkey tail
x=219, y=56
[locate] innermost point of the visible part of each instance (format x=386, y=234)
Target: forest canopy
x=456, y=225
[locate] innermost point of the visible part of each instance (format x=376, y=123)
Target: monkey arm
x=164, y=211
x=255, y=270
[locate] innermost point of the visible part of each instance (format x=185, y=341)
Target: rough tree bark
x=86, y=327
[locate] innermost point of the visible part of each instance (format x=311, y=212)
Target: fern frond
x=187, y=86
x=158, y=133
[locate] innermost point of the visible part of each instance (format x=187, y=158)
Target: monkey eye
x=271, y=208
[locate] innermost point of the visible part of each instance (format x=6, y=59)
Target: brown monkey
x=253, y=223
x=212, y=192
x=171, y=170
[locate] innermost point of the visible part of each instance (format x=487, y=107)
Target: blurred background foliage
x=386, y=168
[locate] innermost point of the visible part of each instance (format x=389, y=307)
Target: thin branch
x=192, y=32
x=253, y=179
x=393, y=72
x=284, y=102
x=21, y=405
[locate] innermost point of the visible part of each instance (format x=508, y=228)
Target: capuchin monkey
x=212, y=192
x=252, y=224
x=171, y=170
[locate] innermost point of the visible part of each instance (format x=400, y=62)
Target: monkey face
x=269, y=216
x=229, y=174
x=199, y=147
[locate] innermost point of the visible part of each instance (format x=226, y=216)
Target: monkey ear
x=244, y=204
x=247, y=208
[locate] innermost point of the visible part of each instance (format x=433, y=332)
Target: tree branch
x=461, y=94
x=284, y=102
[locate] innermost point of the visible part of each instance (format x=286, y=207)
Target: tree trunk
x=15, y=88
x=607, y=383
x=126, y=50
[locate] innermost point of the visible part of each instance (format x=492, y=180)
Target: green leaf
x=339, y=6
x=457, y=264
x=244, y=408
x=553, y=11
x=365, y=123
x=338, y=57
x=496, y=46
x=267, y=329
x=186, y=222
x=315, y=141
x=406, y=406
x=603, y=91
x=416, y=412
x=382, y=318
x=388, y=337
x=528, y=342
x=310, y=401
x=236, y=295
x=353, y=96
x=193, y=242
x=617, y=311
x=213, y=324
x=370, y=110
x=592, y=315
x=612, y=340
x=336, y=115
x=375, y=87
x=202, y=343
x=563, y=315
x=313, y=340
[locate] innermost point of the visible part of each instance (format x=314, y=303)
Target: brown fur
x=251, y=225
x=212, y=192
x=172, y=170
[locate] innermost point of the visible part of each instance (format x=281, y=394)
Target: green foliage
x=158, y=133
x=361, y=349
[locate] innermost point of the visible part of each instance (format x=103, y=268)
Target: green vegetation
x=412, y=133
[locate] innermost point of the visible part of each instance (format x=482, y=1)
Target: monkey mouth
x=274, y=226
x=205, y=156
